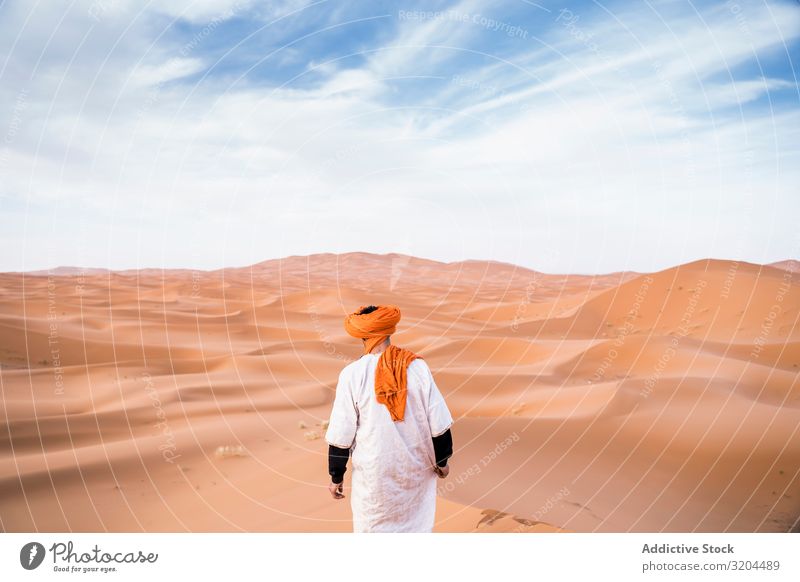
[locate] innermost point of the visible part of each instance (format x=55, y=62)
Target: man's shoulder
x=419, y=367
x=352, y=367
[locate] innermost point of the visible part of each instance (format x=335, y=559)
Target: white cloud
x=741, y=92
x=169, y=70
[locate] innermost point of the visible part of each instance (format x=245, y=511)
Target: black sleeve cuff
x=337, y=463
x=443, y=447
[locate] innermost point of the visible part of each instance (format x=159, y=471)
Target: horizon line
x=75, y=270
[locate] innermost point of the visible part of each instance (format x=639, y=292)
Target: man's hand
x=336, y=489
x=442, y=472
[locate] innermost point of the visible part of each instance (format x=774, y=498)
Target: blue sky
x=566, y=137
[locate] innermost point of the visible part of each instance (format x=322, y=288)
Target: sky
x=577, y=137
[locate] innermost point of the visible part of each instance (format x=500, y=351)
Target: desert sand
x=196, y=401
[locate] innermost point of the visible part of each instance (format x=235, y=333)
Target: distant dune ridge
x=190, y=400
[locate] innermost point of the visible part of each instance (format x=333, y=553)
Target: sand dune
x=625, y=402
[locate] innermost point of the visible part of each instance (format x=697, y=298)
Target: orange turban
x=391, y=375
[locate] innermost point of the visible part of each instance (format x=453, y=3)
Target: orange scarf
x=391, y=374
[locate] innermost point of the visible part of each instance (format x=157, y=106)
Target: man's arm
x=337, y=463
x=341, y=431
x=443, y=447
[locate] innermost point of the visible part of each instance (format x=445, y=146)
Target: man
x=389, y=413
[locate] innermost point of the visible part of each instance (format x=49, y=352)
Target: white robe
x=393, y=482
